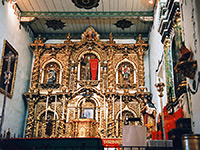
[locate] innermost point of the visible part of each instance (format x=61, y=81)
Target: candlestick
x=54, y=117
x=120, y=107
x=46, y=107
x=63, y=107
x=160, y=88
x=104, y=107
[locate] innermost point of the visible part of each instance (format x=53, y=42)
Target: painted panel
x=50, y=5
x=21, y=5
x=122, y=6
x=129, y=5
x=35, y=5
x=28, y=5
x=42, y=5
x=59, y=5
x=8, y=69
x=113, y=5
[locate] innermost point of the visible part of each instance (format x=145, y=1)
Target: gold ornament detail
x=72, y=103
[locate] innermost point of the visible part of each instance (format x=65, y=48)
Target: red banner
x=94, y=67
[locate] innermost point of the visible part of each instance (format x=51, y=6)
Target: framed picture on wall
x=9, y=56
x=89, y=113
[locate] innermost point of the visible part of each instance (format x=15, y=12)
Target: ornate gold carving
x=70, y=87
x=111, y=39
x=90, y=35
x=38, y=44
x=30, y=120
x=110, y=68
x=141, y=48
x=88, y=82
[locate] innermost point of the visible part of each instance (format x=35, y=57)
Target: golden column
x=37, y=46
x=65, y=79
x=141, y=48
x=30, y=120
x=110, y=68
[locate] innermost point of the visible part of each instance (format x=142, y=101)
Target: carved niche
x=126, y=75
x=89, y=67
x=51, y=73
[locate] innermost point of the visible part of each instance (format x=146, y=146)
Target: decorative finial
x=68, y=38
x=39, y=40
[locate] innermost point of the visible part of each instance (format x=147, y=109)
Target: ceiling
x=54, y=19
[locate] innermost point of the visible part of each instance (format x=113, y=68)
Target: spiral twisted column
x=72, y=74
x=54, y=122
x=44, y=126
x=36, y=68
x=120, y=131
x=110, y=68
x=61, y=128
x=110, y=118
x=101, y=77
x=37, y=46
x=65, y=81
x=141, y=48
x=30, y=120
x=141, y=69
x=75, y=76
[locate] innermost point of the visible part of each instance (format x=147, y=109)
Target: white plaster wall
x=15, y=110
x=147, y=70
x=155, y=53
x=191, y=29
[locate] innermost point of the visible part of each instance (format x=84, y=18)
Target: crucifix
x=9, y=58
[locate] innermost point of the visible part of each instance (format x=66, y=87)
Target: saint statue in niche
x=89, y=67
x=125, y=72
x=51, y=75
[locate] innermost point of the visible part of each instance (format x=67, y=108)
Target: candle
x=113, y=99
x=104, y=107
x=54, y=117
x=46, y=107
x=120, y=107
x=63, y=107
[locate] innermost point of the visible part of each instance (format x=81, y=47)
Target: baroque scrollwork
x=87, y=85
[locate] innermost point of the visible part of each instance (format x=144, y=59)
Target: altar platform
x=51, y=144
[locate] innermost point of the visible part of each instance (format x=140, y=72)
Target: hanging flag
x=160, y=73
x=94, y=67
x=160, y=69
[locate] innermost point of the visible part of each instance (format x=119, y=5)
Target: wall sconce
x=11, y=1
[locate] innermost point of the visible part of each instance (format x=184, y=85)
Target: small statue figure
x=90, y=34
x=126, y=122
x=51, y=75
x=68, y=38
x=8, y=133
x=86, y=67
x=125, y=72
x=111, y=38
x=149, y=112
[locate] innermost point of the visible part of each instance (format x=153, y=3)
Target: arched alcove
x=89, y=67
x=125, y=74
x=45, y=125
x=87, y=108
x=51, y=73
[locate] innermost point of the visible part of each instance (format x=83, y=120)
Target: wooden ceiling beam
x=88, y=14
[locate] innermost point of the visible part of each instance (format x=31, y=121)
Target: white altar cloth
x=134, y=135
